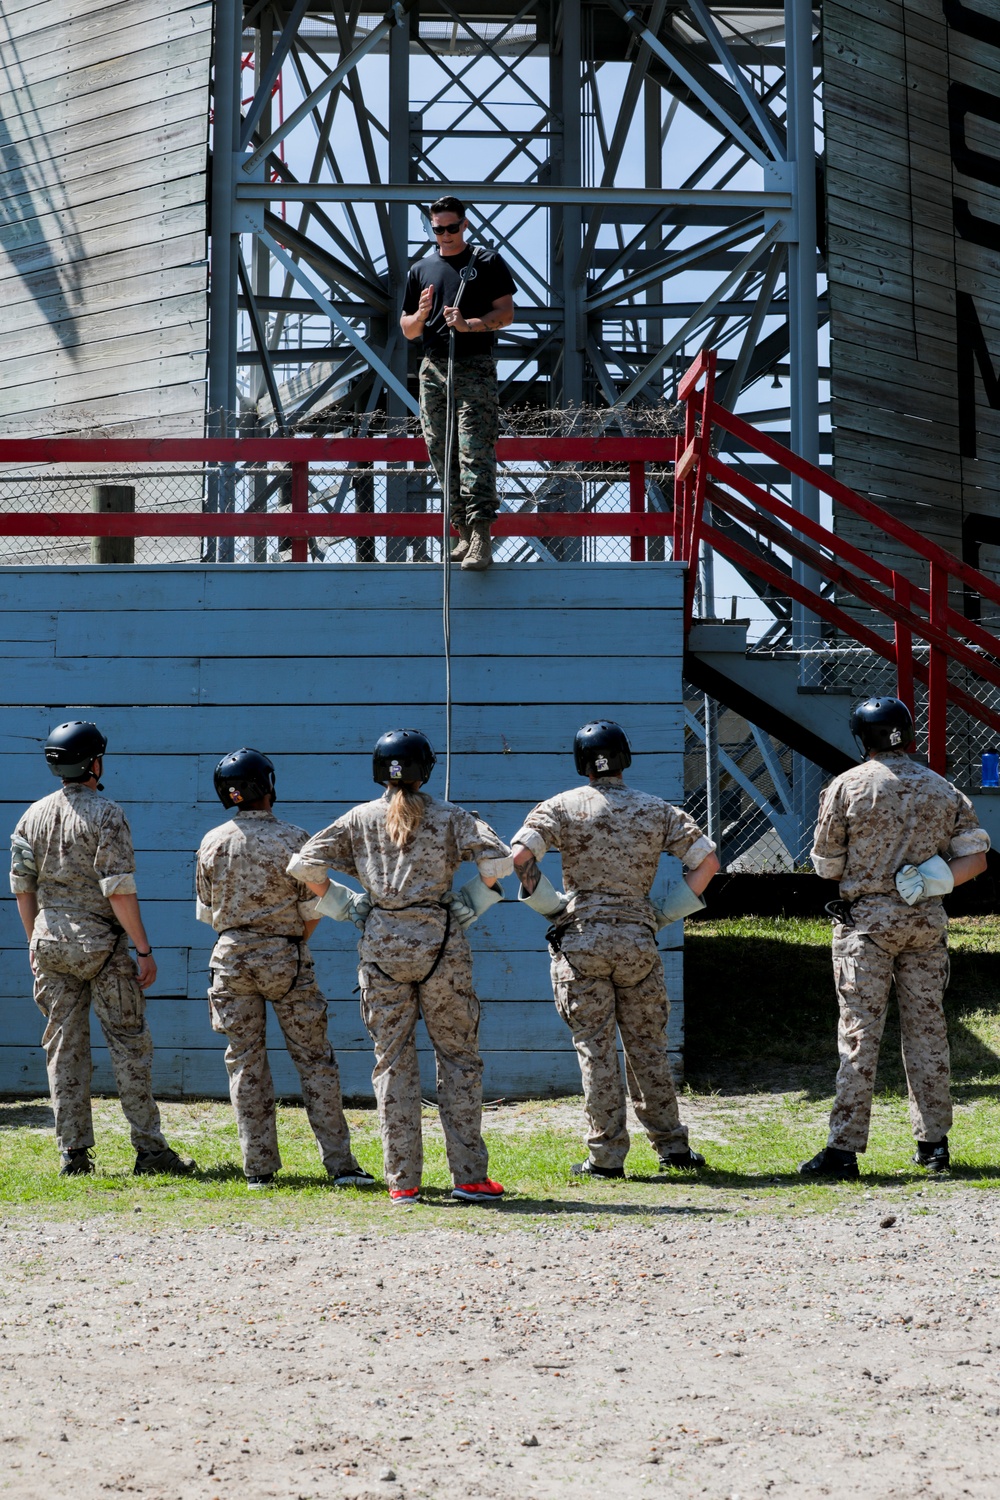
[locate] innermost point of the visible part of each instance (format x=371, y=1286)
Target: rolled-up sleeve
x=23, y=870
x=684, y=839
x=330, y=849
x=541, y=830
x=968, y=837
x=114, y=857
x=477, y=841
x=829, y=850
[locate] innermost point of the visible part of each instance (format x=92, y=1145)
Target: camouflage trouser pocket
x=120, y=997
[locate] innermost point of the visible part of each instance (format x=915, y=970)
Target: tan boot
x=461, y=547
x=480, y=554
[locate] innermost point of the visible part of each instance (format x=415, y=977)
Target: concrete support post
x=116, y=499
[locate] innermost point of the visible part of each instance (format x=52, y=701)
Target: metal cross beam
x=647, y=171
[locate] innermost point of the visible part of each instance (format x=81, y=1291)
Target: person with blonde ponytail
x=404, y=848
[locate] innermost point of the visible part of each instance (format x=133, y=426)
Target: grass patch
x=760, y=1003
x=761, y=1057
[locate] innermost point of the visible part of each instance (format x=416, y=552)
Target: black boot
x=162, y=1163
x=933, y=1155
x=77, y=1163
x=832, y=1162
x=591, y=1169
x=681, y=1159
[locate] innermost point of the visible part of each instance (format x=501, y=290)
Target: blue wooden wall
x=310, y=664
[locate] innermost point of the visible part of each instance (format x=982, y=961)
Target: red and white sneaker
x=403, y=1196
x=478, y=1192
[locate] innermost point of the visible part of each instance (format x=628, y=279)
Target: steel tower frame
x=649, y=172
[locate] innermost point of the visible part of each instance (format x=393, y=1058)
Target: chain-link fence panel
x=753, y=777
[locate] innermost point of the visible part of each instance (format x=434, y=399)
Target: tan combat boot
x=480, y=553
x=461, y=547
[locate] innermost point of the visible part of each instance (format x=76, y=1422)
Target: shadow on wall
x=47, y=275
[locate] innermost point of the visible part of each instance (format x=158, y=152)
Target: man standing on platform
x=471, y=291
x=897, y=837
x=72, y=870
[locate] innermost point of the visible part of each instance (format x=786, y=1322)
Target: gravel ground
x=725, y=1354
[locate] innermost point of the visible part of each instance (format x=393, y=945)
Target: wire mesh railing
x=324, y=500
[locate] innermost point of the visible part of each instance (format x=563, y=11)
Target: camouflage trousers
x=247, y=972
x=912, y=951
x=474, y=459
x=65, y=999
x=608, y=976
x=447, y=1002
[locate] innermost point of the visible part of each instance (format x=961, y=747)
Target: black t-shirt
x=492, y=280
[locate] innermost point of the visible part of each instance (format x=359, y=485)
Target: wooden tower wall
x=911, y=101
x=104, y=110
x=181, y=664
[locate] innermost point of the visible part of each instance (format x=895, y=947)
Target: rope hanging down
x=467, y=274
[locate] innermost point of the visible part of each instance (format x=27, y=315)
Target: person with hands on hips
x=404, y=848
x=897, y=837
x=607, y=975
x=73, y=873
x=264, y=919
x=470, y=292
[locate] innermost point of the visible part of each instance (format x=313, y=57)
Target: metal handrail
x=911, y=610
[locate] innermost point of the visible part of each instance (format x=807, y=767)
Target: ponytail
x=405, y=814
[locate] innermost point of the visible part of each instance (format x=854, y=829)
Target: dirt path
x=715, y=1354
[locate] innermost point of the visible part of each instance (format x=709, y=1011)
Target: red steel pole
x=300, y=505
x=637, y=506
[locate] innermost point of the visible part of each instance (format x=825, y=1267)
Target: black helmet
x=243, y=776
x=402, y=755
x=71, y=749
x=602, y=749
x=882, y=724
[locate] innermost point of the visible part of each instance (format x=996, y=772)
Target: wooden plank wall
x=103, y=157
x=310, y=664
x=910, y=275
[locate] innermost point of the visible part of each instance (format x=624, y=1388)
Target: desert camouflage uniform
x=875, y=818
x=403, y=942
x=260, y=914
x=81, y=847
x=607, y=971
x=477, y=424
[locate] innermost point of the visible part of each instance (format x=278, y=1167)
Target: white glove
x=680, y=901
x=344, y=905
x=920, y=882
x=545, y=899
x=475, y=897
x=22, y=856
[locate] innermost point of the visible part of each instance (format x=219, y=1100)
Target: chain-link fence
x=333, y=489
x=753, y=782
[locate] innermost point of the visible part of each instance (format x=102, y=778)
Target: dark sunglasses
x=447, y=228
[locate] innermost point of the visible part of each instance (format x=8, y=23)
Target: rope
x=449, y=448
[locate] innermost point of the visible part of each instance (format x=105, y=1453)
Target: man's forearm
x=490, y=322
x=126, y=909
x=699, y=877
x=27, y=910
x=967, y=867
x=412, y=325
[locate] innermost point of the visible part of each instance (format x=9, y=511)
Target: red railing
x=300, y=523
x=913, y=611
